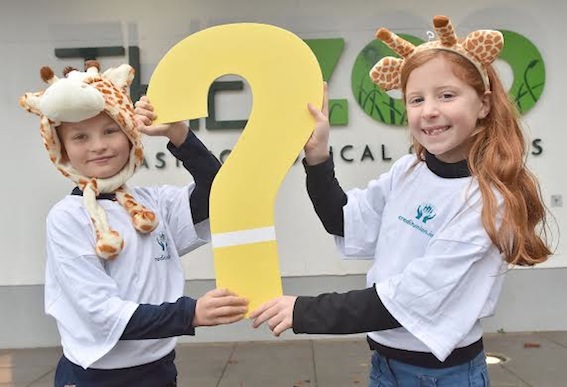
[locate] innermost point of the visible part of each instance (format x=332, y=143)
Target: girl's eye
x=415, y=100
x=447, y=95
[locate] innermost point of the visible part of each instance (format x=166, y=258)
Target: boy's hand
x=145, y=116
x=219, y=306
x=278, y=312
x=317, y=147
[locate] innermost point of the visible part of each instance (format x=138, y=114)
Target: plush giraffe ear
x=386, y=73
x=121, y=76
x=484, y=45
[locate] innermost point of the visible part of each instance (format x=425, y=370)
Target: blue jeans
x=392, y=373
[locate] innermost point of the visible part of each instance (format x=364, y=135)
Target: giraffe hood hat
x=79, y=96
x=480, y=48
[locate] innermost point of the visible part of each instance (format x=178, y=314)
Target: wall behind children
x=31, y=31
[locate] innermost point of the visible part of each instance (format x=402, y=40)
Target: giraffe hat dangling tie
x=480, y=48
x=79, y=96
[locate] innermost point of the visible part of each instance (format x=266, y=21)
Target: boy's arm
x=203, y=166
x=160, y=321
x=187, y=148
x=326, y=194
x=218, y=306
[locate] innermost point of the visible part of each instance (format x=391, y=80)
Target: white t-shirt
x=93, y=299
x=435, y=267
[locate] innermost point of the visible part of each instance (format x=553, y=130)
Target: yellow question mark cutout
x=284, y=75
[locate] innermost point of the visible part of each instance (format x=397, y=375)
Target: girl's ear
x=486, y=105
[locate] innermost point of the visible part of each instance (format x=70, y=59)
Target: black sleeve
x=327, y=196
x=161, y=321
x=203, y=166
x=356, y=311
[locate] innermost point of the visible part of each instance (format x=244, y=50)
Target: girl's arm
x=326, y=194
x=356, y=311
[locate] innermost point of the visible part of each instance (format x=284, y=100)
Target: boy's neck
x=108, y=196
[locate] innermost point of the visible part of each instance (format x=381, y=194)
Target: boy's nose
x=98, y=145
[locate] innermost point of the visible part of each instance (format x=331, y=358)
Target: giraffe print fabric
x=480, y=47
x=79, y=96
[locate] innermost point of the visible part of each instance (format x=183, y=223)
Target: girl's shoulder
x=407, y=162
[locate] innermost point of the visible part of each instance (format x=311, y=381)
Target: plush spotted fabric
x=481, y=48
x=79, y=96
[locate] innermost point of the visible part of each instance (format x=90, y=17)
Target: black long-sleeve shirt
x=336, y=313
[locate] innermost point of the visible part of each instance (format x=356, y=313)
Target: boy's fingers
x=228, y=311
x=145, y=120
x=231, y=319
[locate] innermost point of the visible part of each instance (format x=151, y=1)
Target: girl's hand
x=219, y=306
x=317, y=147
x=145, y=116
x=278, y=312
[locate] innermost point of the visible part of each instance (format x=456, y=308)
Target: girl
x=441, y=224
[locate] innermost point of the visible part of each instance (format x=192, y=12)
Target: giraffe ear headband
x=480, y=48
x=79, y=96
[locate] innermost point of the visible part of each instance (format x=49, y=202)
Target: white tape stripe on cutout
x=244, y=237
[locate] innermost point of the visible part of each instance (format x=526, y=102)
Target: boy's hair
x=497, y=160
x=79, y=96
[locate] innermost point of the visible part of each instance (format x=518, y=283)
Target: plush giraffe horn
x=445, y=31
x=47, y=75
x=92, y=66
x=402, y=47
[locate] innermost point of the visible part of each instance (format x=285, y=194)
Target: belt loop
x=387, y=361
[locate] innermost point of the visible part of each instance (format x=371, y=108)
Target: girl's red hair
x=497, y=160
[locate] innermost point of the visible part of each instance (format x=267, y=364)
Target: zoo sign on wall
x=523, y=57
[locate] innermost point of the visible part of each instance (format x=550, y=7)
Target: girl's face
x=96, y=147
x=443, y=110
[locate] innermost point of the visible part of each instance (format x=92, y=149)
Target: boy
x=114, y=280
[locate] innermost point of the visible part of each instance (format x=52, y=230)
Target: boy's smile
x=96, y=147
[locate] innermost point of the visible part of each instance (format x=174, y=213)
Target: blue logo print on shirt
x=162, y=242
x=425, y=212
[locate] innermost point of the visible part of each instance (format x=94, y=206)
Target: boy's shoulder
x=67, y=204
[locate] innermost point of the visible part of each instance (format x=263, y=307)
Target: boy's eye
x=112, y=130
x=79, y=137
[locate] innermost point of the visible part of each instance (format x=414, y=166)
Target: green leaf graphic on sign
x=374, y=101
x=528, y=69
x=328, y=53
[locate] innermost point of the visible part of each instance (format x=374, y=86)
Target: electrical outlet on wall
x=556, y=200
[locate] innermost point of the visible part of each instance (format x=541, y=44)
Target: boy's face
x=96, y=147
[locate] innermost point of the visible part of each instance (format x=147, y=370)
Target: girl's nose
x=430, y=109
